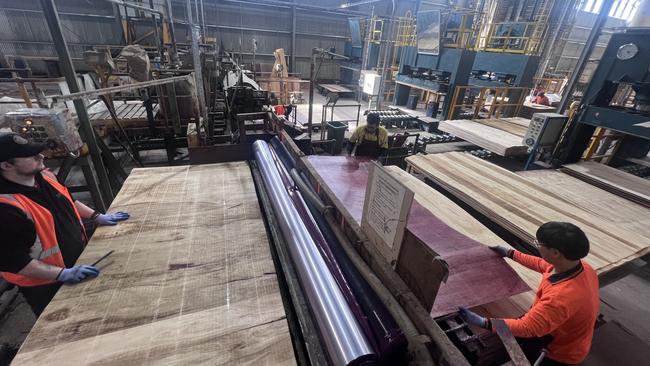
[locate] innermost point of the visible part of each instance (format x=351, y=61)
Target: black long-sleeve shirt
x=18, y=232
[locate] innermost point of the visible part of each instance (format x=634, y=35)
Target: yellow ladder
x=541, y=20
x=598, y=151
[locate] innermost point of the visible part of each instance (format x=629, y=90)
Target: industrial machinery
x=439, y=74
x=617, y=98
x=477, y=46
x=395, y=118
x=53, y=127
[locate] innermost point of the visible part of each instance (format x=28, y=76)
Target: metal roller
x=343, y=338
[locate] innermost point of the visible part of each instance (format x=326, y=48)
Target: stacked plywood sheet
x=191, y=280
x=521, y=206
x=497, y=140
x=516, y=126
x=608, y=206
x=626, y=185
x=461, y=221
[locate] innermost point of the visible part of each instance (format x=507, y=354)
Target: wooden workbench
x=191, y=280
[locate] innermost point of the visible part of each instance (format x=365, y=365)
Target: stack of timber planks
x=191, y=281
x=626, y=185
x=521, y=206
x=516, y=125
x=618, y=210
x=497, y=140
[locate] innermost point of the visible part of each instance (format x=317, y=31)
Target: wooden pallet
x=191, y=280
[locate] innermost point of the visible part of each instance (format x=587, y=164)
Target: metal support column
x=118, y=20
x=312, y=76
x=293, y=38
x=85, y=128
x=173, y=107
x=203, y=28
x=170, y=21
x=156, y=35
x=195, y=32
x=584, y=56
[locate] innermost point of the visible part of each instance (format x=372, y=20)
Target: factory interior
x=331, y=182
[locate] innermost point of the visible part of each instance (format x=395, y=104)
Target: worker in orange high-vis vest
x=563, y=316
x=41, y=228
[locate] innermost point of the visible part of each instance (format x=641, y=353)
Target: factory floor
x=625, y=338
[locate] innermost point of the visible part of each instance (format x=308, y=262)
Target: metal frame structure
x=85, y=128
x=500, y=107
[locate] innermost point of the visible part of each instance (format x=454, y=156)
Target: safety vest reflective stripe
x=10, y=199
x=46, y=253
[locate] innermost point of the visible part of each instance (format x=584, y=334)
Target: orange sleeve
x=535, y=263
x=543, y=318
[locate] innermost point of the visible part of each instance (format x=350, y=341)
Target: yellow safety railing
x=405, y=31
x=487, y=102
x=550, y=85
x=460, y=29
x=510, y=37
x=375, y=30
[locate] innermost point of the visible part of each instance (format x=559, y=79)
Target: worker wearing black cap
x=370, y=139
x=40, y=224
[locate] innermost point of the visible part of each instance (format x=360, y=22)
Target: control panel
x=544, y=129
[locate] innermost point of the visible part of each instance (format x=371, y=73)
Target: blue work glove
x=111, y=219
x=502, y=251
x=472, y=318
x=77, y=274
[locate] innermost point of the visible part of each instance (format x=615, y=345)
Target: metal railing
x=472, y=102
x=511, y=37
x=460, y=30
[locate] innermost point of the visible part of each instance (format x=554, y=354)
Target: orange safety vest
x=46, y=247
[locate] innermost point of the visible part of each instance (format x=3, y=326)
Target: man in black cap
x=40, y=224
x=369, y=140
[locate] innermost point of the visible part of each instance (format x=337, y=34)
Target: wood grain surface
x=476, y=274
x=496, y=140
x=191, y=280
x=510, y=125
x=608, y=206
x=521, y=206
x=460, y=220
x=626, y=185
